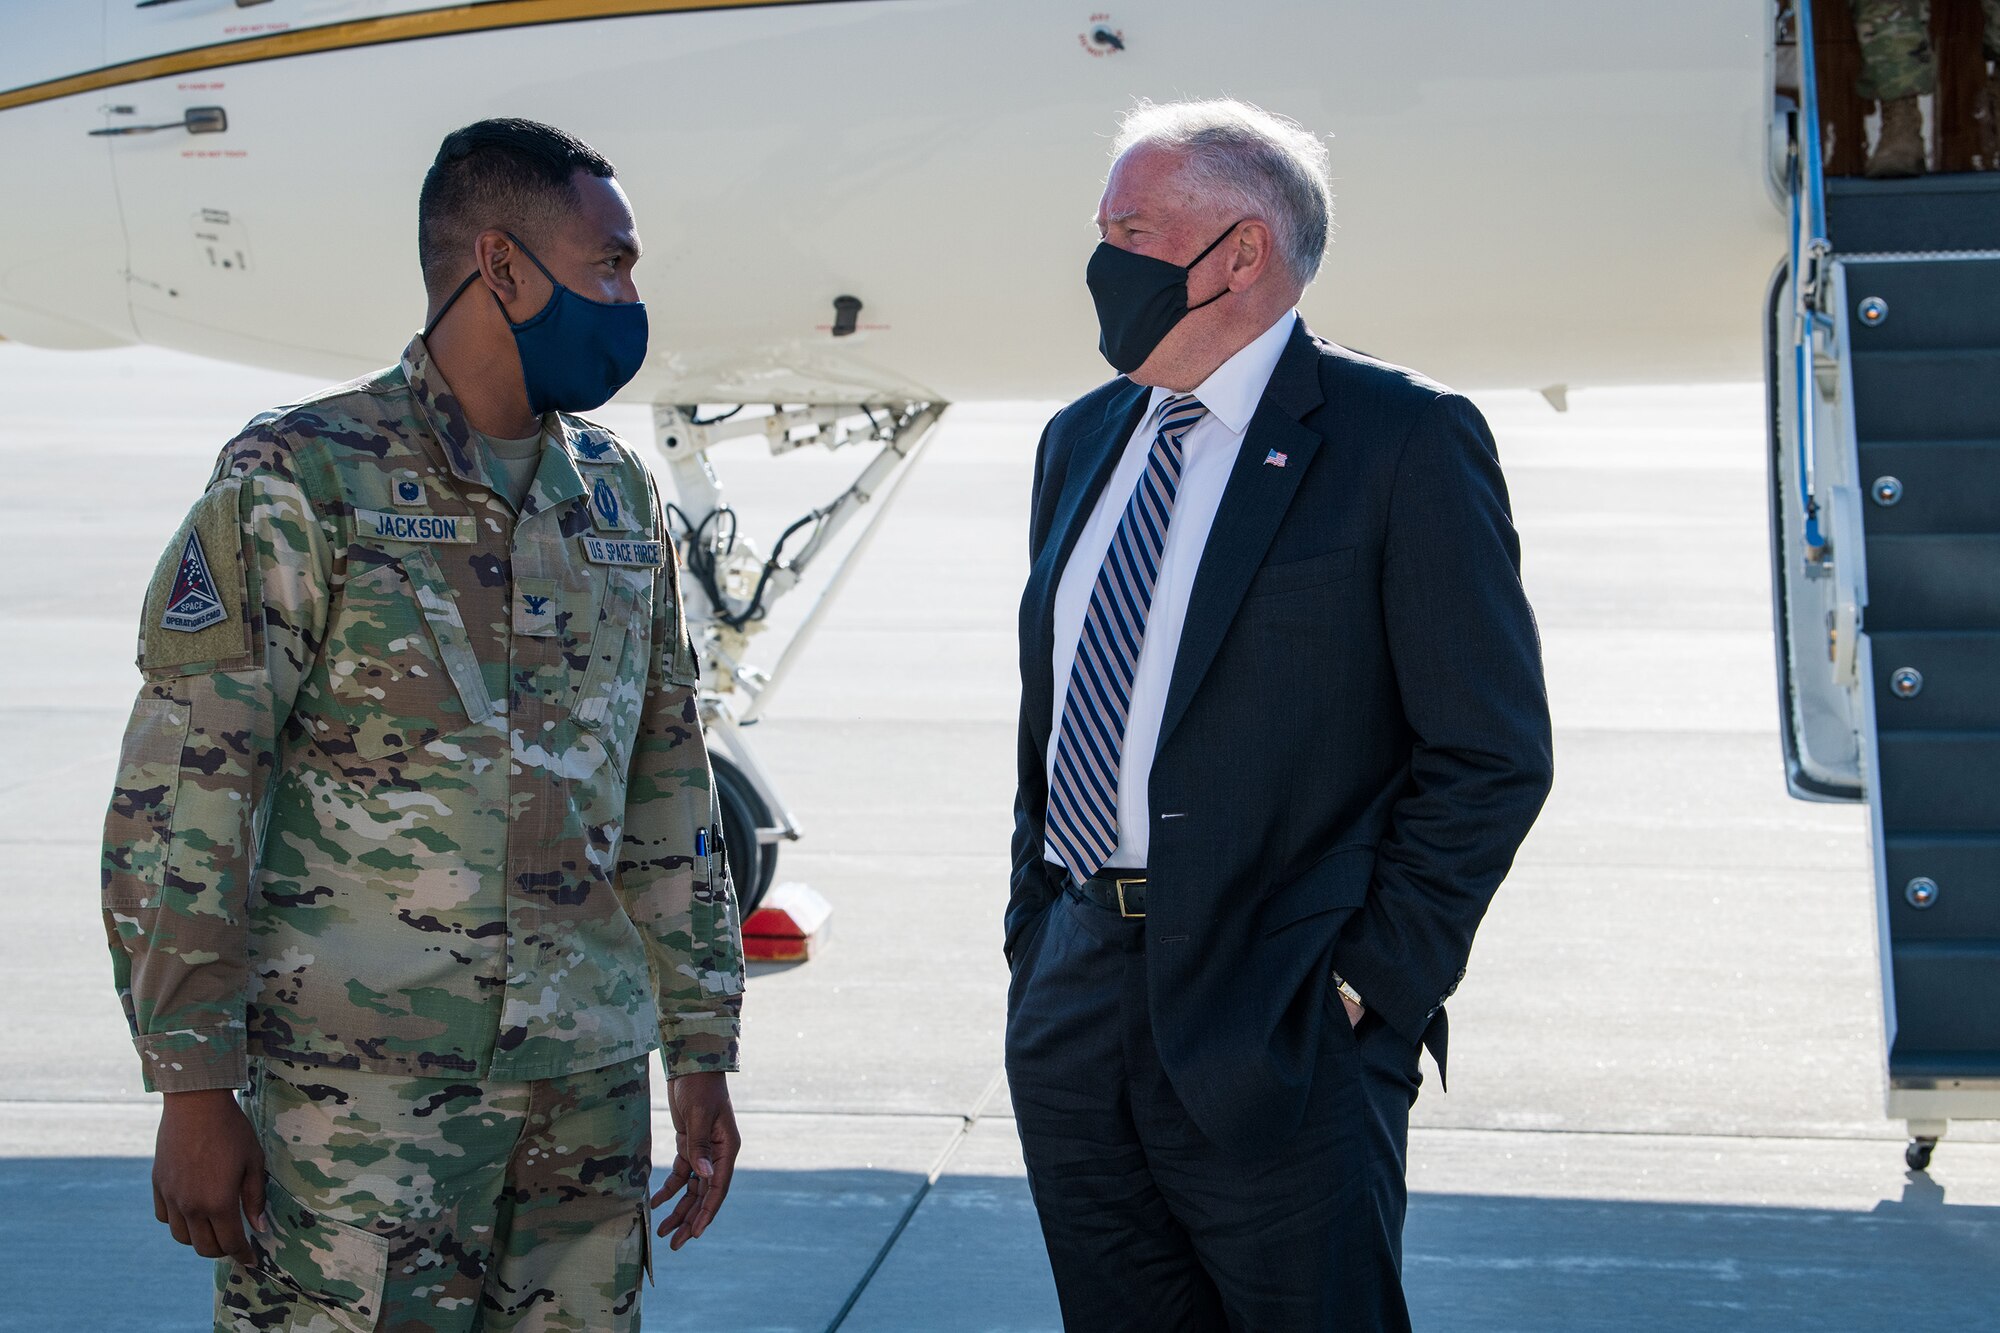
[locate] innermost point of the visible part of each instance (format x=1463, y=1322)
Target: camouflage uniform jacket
x=413, y=783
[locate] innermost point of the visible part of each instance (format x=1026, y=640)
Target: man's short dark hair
x=510, y=173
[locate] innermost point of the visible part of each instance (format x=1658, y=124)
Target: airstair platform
x=1928, y=214
x=1925, y=347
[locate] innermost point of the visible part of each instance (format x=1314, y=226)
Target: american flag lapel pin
x=1275, y=459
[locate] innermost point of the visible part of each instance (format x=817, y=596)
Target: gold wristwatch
x=1347, y=992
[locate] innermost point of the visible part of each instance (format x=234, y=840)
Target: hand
x=1354, y=1012
x=208, y=1174
x=705, y=1146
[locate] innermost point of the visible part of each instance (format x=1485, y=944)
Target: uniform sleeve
x=233, y=619
x=683, y=904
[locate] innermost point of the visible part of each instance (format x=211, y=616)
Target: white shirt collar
x=1232, y=393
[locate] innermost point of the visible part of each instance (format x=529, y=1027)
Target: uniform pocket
x=400, y=668
x=682, y=664
x=339, y=1269
x=611, y=693
x=141, y=819
x=632, y=1265
x=440, y=608
x=683, y=667
x=606, y=684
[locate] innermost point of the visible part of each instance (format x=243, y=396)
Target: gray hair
x=1245, y=156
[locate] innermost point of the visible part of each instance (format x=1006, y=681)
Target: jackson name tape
x=415, y=527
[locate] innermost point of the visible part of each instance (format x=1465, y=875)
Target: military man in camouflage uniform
x=1897, y=67
x=413, y=839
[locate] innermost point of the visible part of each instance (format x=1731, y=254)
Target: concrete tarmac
x=1666, y=1081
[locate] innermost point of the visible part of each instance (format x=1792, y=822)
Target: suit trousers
x=1153, y=1228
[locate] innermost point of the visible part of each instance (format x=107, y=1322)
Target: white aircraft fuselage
x=1566, y=193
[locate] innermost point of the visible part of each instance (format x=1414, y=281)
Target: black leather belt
x=1120, y=891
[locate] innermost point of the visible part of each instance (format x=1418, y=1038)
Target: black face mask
x=1140, y=299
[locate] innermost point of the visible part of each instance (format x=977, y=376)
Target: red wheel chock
x=790, y=926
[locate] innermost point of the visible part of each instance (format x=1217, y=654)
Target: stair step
x=1960, y=687
x=1911, y=1066
x=1966, y=869
x=1931, y=303
x=1927, y=395
x=1947, y=998
x=1955, y=212
x=1939, y=781
x=1933, y=582
x=1948, y=485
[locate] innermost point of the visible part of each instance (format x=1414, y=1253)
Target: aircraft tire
x=752, y=865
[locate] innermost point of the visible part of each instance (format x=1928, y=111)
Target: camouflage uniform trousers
x=1896, y=56
x=410, y=1205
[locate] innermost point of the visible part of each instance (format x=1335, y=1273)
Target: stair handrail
x=1809, y=249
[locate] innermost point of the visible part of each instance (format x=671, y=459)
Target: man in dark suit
x=1283, y=727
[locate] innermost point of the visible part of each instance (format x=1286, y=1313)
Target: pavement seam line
x=23, y=1103
x=951, y=1147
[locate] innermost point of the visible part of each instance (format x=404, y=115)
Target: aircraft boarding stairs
x=1888, y=602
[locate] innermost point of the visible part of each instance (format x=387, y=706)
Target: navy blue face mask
x=575, y=352
x=1139, y=299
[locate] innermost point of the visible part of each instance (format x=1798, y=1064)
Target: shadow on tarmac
x=89, y=1258
x=1494, y=1263
x=793, y=1245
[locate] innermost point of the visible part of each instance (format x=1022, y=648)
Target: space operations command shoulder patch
x=194, y=604
x=197, y=613
x=609, y=551
x=415, y=527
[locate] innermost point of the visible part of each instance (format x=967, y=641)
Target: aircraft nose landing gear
x=729, y=585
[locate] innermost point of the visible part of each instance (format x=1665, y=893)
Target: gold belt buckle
x=1123, y=911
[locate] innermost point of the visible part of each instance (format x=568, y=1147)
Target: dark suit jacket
x=1356, y=736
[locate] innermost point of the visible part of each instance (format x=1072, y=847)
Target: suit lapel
x=1093, y=460
x=1253, y=505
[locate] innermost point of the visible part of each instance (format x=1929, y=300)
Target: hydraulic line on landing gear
x=705, y=553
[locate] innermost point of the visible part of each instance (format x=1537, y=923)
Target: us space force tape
x=617, y=551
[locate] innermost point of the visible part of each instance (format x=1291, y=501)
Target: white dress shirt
x=1231, y=395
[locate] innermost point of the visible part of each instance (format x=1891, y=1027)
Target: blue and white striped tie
x=1083, y=796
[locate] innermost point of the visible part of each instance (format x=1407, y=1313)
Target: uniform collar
x=440, y=410
x=1232, y=393
x=556, y=480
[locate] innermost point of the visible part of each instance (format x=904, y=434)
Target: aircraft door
x=207, y=156
x=184, y=154
x=62, y=272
